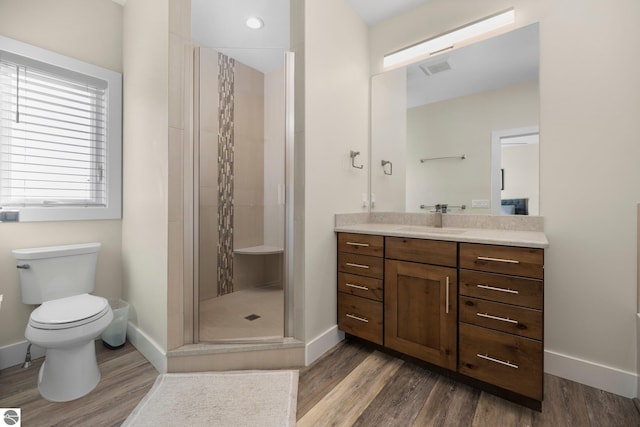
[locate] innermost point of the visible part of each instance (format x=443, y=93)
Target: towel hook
x=353, y=155
x=387, y=162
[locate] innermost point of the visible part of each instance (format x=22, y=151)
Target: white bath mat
x=238, y=398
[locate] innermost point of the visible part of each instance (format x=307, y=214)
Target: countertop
x=530, y=239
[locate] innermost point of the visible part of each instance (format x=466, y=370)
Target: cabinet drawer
x=361, y=265
x=503, y=317
x=526, y=262
x=366, y=287
x=508, y=361
x=360, y=317
x=420, y=250
x=507, y=289
x=363, y=244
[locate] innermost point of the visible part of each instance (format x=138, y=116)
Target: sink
x=430, y=230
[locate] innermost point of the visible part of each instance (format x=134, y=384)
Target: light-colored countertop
x=531, y=239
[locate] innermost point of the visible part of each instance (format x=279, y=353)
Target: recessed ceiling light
x=254, y=22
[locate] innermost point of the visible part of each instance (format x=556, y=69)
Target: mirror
x=438, y=128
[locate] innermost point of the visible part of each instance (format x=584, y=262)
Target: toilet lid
x=69, y=312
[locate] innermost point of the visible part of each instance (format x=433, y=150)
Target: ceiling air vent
x=436, y=67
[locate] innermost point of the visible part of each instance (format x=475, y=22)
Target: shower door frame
x=193, y=328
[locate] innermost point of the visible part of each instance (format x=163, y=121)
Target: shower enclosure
x=241, y=193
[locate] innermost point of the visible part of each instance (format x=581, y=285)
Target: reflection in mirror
x=448, y=107
x=515, y=171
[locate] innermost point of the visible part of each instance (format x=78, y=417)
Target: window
x=60, y=136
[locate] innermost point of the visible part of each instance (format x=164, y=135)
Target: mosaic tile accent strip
x=226, y=67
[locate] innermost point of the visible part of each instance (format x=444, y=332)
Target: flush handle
x=24, y=266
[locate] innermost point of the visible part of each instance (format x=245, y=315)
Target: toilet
x=69, y=318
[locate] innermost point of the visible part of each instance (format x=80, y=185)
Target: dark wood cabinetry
x=420, y=311
x=360, y=285
x=501, y=321
x=420, y=305
x=472, y=308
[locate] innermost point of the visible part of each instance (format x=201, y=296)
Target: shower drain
x=252, y=317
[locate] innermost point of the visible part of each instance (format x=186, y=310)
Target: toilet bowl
x=68, y=320
x=67, y=328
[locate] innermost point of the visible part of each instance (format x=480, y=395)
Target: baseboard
x=322, y=343
x=606, y=378
x=148, y=347
x=13, y=354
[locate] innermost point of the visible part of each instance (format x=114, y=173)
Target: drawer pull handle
x=502, y=319
x=351, y=285
x=492, y=288
x=350, y=264
x=491, y=359
x=508, y=261
x=361, y=319
x=364, y=245
x=447, y=297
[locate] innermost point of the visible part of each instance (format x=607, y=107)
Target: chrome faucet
x=440, y=209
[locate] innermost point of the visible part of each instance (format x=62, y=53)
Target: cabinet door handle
x=361, y=319
x=502, y=362
x=492, y=288
x=350, y=264
x=509, y=261
x=447, y=297
x=502, y=319
x=364, y=245
x=351, y=285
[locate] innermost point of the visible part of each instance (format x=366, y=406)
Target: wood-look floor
x=126, y=378
x=352, y=385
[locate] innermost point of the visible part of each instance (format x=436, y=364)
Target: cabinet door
x=420, y=311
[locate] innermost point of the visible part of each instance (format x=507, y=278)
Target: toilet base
x=69, y=373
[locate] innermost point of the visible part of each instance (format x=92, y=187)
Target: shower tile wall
x=274, y=136
x=248, y=177
x=226, y=161
x=274, y=160
x=208, y=235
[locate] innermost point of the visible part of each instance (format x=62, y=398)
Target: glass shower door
x=240, y=111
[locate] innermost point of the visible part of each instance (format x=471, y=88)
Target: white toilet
x=68, y=320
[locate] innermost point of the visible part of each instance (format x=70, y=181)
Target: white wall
x=145, y=165
x=336, y=110
x=589, y=171
x=69, y=28
x=388, y=140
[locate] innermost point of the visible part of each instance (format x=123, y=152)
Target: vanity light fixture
x=448, y=40
x=254, y=22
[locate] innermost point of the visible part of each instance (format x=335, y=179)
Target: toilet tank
x=54, y=272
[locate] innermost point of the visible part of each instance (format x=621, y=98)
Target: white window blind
x=53, y=135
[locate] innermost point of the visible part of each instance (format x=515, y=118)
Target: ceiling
x=376, y=11
x=505, y=59
x=220, y=24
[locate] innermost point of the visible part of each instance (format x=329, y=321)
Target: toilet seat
x=69, y=312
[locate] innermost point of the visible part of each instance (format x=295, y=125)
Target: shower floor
x=228, y=318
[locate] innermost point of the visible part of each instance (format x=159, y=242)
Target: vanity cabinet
x=360, y=285
x=420, y=299
x=473, y=309
x=501, y=319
